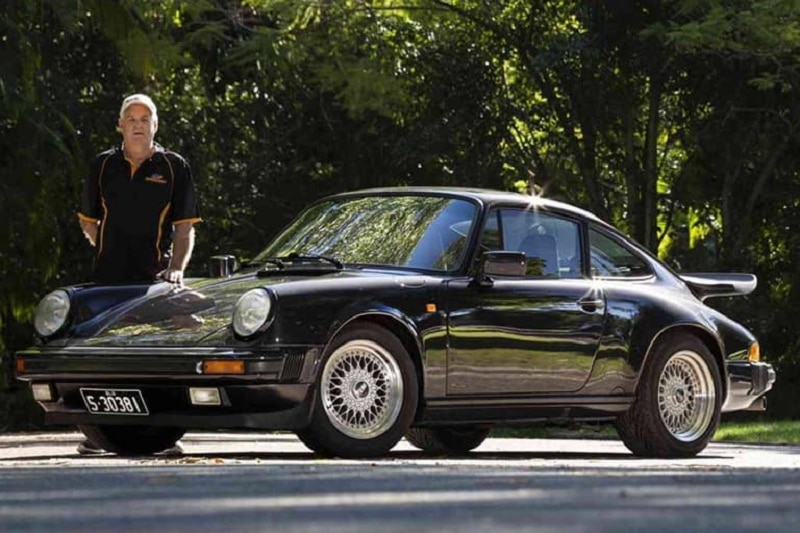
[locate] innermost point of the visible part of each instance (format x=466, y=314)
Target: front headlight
x=251, y=312
x=52, y=313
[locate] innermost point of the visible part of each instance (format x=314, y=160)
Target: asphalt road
x=270, y=482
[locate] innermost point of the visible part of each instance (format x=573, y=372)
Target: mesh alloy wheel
x=362, y=389
x=686, y=396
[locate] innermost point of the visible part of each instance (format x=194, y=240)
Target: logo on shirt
x=156, y=178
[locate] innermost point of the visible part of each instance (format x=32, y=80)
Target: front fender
x=375, y=312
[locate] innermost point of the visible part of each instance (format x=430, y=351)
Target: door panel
x=522, y=335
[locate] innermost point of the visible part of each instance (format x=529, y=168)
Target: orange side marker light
x=223, y=367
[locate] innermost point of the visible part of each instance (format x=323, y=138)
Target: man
x=139, y=205
x=139, y=208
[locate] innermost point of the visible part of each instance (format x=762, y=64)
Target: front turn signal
x=223, y=367
x=754, y=353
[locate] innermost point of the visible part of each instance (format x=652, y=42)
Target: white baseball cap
x=141, y=99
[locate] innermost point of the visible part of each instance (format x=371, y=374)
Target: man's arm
x=90, y=211
x=89, y=228
x=182, y=246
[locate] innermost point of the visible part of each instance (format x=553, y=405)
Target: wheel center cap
x=360, y=390
x=680, y=395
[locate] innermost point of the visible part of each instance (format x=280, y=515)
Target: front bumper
x=748, y=384
x=273, y=392
x=255, y=406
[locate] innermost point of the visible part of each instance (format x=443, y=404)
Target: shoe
x=176, y=449
x=87, y=447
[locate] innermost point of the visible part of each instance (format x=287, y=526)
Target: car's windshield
x=420, y=232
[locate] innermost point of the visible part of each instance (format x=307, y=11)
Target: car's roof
x=485, y=196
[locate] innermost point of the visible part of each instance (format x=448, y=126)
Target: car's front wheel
x=133, y=440
x=678, y=401
x=446, y=440
x=366, y=395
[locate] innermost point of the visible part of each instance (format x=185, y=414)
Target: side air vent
x=292, y=366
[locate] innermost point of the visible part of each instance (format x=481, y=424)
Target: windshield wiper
x=295, y=257
x=297, y=262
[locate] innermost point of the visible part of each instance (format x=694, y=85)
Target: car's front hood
x=160, y=315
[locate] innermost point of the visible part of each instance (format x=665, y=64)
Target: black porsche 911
x=433, y=314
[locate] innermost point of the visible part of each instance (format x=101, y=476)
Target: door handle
x=590, y=305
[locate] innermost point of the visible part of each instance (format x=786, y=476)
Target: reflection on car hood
x=197, y=314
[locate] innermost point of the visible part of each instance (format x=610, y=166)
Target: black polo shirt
x=136, y=210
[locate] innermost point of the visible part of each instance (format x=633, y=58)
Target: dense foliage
x=675, y=119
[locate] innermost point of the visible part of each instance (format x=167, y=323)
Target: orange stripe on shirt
x=83, y=217
x=161, y=219
x=100, y=239
x=186, y=220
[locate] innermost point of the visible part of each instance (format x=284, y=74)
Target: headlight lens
x=251, y=312
x=51, y=313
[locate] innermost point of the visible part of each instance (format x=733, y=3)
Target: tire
x=447, y=440
x=678, y=402
x=133, y=440
x=366, y=395
x=311, y=442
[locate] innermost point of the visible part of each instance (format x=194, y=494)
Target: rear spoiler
x=713, y=285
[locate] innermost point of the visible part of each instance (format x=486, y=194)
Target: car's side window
x=490, y=237
x=610, y=259
x=551, y=243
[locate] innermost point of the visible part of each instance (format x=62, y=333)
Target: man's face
x=138, y=127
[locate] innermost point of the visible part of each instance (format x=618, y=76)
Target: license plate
x=114, y=401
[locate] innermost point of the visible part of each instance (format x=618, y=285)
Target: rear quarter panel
x=641, y=312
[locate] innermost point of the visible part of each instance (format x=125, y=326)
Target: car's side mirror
x=221, y=266
x=501, y=263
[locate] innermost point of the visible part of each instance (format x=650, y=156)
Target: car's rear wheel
x=133, y=440
x=447, y=440
x=366, y=395
x=678, y=401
